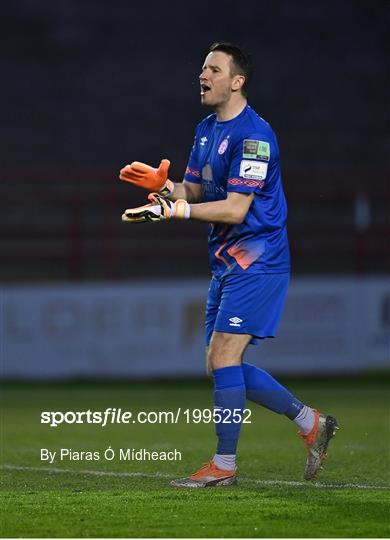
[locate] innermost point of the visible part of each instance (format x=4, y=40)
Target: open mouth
x=204, y=88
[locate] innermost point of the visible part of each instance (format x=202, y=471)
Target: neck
x=229, y=110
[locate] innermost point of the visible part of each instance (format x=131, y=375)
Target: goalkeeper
x=233, y=181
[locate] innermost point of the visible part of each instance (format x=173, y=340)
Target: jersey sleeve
x=250, y=163
x=192, y=172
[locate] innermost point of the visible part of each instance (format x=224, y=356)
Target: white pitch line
x=313, y=484
x=94, y=473
x=290, y=483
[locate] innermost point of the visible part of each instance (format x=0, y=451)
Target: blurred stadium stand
x=86, y=93
x=72, y=230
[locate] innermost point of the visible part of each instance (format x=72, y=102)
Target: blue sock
x=263, y=389
x=229, y=395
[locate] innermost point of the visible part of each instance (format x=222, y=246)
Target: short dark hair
x=241, y=61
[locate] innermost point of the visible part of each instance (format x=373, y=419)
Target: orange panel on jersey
x=246, y=252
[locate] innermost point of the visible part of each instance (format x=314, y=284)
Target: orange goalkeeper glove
x=159, y=209
x=148, y=177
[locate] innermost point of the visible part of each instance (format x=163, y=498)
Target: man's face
x=216, y=82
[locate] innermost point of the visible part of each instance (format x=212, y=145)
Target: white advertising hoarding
x=155, y=328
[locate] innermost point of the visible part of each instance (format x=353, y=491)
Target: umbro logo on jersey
x=235, y=321
x=203, y=141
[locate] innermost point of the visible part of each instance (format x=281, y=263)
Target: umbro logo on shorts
x=235, y=321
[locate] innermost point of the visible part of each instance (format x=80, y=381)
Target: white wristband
x=181, y=209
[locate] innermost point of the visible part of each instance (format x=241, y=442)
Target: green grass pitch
x=133, y=498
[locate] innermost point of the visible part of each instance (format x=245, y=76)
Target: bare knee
x=226, y=350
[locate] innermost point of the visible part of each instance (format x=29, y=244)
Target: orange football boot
x=207, y=476
x=317, y=441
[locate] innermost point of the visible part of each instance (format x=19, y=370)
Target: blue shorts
x=246, y=304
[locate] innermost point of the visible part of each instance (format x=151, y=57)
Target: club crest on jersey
x=203, y=141
x=223, y=146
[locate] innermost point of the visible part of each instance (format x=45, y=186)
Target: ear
x=237, y=82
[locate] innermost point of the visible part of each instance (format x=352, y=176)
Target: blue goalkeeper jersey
x=242, y=155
